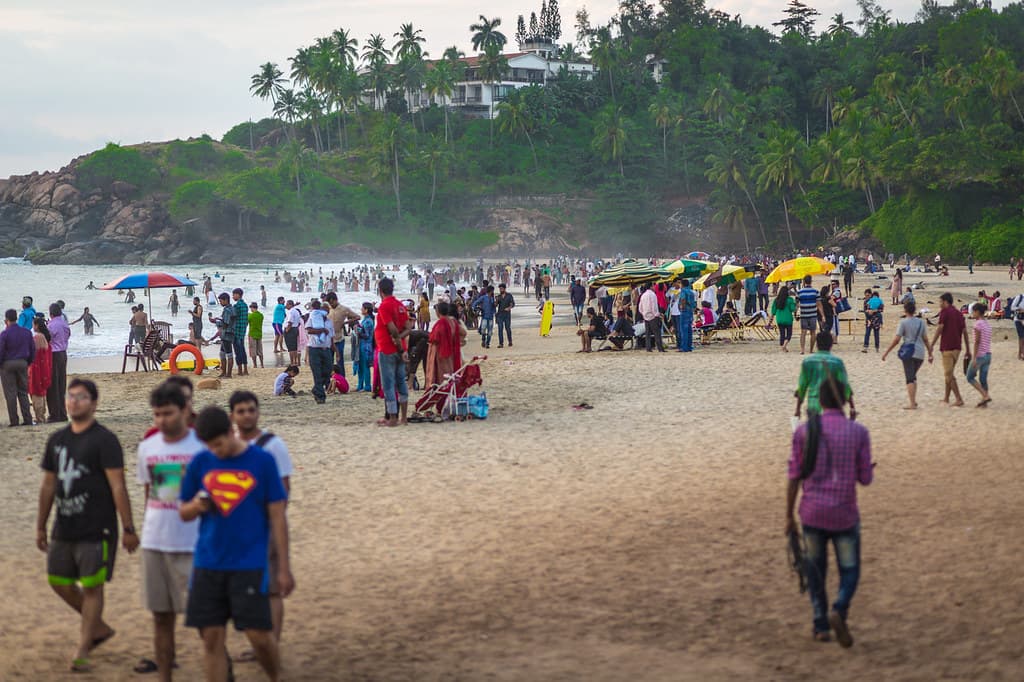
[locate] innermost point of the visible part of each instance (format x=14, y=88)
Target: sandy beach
x=641, y=540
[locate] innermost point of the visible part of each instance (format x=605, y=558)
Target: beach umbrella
x=727, y=275
x=147, y=281
x=699, y=255
x=798, y=268
x=685, y=267
x=626, y=273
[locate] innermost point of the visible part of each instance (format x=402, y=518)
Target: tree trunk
x=433, y=186
x=664, y=145
x=621, y=172
x=397, y=182
x=789, y=228
x=1017, y=107
x=446, y=124
x=240, y=232
x=532, y=149
x=760, y=225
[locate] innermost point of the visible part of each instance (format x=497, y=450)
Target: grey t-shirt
x=914, y=330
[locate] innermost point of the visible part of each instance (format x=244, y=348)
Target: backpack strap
x=264, y=439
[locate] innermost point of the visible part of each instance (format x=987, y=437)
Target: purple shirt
x=829, y=499
x=60, y=332
x=17, y=343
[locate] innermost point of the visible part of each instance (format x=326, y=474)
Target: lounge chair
x=144, y=353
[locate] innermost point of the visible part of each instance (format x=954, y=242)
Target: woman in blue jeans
x=873, y=309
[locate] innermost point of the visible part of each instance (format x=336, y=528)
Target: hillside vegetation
x=912, y=131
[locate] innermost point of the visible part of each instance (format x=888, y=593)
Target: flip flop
x=985, y=402
x=100, y=640
x=146, y=666
x=247, y=656
x=81, y=665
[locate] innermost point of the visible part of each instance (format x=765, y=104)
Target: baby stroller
x=447, y=398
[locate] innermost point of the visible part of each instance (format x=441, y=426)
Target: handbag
x=906, y=351
x=843, y=305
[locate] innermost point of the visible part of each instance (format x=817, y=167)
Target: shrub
x=116, y=163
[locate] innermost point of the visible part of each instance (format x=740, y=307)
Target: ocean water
x=48, y=283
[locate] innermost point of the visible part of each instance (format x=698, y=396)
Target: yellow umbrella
x=727, y=275
x=798, y=268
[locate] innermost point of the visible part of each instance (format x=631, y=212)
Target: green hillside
x=913, y=131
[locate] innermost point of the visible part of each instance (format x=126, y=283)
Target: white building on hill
x=535, y=64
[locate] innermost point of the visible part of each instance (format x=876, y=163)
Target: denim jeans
x=365, y=363
x=486, y=330
x=577, y=310
x=979, y=369
x=847, y=548
x=684, y=331
x=320, y=361
x=239, y=346
x=392, y=381
x=867, y=335
x=785, y=333
x=504, y=321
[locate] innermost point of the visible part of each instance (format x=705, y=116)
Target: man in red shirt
x=390, y=331
x=952, y=330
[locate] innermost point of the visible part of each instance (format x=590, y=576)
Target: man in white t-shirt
x=167, y=541
x=245, y=415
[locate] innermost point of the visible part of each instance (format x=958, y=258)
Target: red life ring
x=172, y=364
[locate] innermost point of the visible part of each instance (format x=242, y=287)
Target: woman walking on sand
x=913, y=332
x=783, y=309
x=897, y=287
x=873, y=309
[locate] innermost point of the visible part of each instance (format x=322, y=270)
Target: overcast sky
x=80, y=73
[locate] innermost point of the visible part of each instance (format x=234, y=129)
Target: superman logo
x=228, y=488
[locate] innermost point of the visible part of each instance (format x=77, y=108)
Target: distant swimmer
x=88, y=320
x=91, y=285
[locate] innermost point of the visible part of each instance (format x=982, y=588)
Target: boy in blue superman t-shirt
x=234, y=489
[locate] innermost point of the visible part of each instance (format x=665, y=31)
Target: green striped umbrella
x=628, y=272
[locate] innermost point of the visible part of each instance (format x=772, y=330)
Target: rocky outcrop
x=52, y=220
x=523, y=231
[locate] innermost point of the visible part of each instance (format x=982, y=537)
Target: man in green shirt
x=813, y=371
x=255, y=334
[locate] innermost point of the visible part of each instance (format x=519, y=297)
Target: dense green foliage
x=115, y=163
x=913, y=131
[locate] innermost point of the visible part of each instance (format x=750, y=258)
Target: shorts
x=1019, y=324
x=89, y=563
x=227, y=347
x=255, y=347
x=949, y=362
x=165, y=580
x=278, y=329
x=809, y=324
x=215, y=597
x=291, y=340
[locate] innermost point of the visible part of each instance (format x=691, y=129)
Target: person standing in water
x=88, y=320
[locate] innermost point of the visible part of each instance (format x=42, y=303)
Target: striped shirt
x=829, y=499
x=984, y=345
x=808, y=300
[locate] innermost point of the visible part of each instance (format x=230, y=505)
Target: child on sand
x=338, y=383
x=285, y=380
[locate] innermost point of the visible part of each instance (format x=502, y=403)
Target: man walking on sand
x=245, y=415
x=809, y=300
x=167, y=541
x=235, y=490
x=649, y=310
x=949, y=334
x=83, y=471
x=814, y=369
x=503, y=305
x=17, y=351
x=830, y=456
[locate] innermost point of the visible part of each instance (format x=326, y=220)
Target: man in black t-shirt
x=504, y=303
x=83, y=470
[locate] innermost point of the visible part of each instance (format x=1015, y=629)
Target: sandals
x=838, y=623
x=81, y=665
x=582, y=406
x=146, y=666
x=985, y=402
x=100, y=640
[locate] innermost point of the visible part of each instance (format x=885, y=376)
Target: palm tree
x=843, y=100
x=781, y=168
x=453, y=54
x=610, y=136
x=268, y=82
x=726, y=169
x=1002, y=76
x=437, y=156
x=666, y=112
x=731, y=215
x=375, y=50
x=829, y=154
x=569, y=53
x=378, y=79
x=839, y=26
x=888, y=86
x=345, y=45
x=824, y=93
x=410, y=72
x=390, y=139
x=288, y=107
x=310, y=107
x=605, y=56
x=440, y=84
x=292, y=159
x=408, y=43
x=485, y=32
x=859, y=175
x=492, y=68
x=302, y=66
x=514, y=118
x=720, y=97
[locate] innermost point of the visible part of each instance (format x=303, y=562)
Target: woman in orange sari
x=444, y=346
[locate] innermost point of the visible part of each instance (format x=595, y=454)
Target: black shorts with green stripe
x=89, y=563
